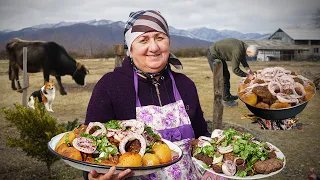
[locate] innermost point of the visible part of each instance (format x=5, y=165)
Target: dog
x=46, y=95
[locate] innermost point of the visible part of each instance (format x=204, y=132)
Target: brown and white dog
x=46, y=95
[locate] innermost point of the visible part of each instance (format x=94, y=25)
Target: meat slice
x=204, y=158
x=267, y=166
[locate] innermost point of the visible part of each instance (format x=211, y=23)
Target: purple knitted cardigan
x=113, y=97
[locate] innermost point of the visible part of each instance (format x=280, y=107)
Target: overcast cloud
x=241, y=15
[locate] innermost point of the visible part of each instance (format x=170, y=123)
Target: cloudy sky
x=261, y=16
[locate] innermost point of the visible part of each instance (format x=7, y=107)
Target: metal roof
x=301, y=33
x=275, y=45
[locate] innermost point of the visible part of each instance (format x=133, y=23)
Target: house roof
x=275, y=45
x=301, y=33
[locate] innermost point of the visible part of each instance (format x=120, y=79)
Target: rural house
x=289, y=44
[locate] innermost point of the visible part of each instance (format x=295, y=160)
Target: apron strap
x=135, y=81
x=176, y=93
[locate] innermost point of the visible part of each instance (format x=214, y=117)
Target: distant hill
x=93, y=36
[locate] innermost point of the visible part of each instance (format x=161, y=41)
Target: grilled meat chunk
x=268, y=166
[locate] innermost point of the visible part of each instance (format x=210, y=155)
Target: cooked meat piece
x=150, y=138
x=262, y=92
x=133, y=146
x=296, y=79
x=113, y=141
x=251, y=173
x=242, y=167
x=194, y=144
x=288, y=91
x=114, y=159
x=272, y=155
x=268, y=166
x=259, y=81
x=206, y=159
x=240, y=161
x=216, y=168
x=107, y=162
x=80, y=130
x=228, y=156
x=270, y=101
x=85, y=156
x=247, y=80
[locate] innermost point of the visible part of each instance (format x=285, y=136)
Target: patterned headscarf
x=144, y=21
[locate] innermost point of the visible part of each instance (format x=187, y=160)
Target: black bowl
x=276, y=114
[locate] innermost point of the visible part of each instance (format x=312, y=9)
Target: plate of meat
x=237, y=155
x=276, y=93
x=124, y=144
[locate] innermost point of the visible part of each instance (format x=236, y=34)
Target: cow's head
x=80, y=74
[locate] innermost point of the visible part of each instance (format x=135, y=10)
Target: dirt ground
x=300, y=147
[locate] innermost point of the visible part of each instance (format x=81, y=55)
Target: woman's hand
x=250, y=76
x=93, y=175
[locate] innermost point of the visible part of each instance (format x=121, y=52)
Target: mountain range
x=97, y=35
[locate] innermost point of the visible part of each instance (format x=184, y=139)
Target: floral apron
x=173, y=123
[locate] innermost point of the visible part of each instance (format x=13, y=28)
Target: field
x=301, y=147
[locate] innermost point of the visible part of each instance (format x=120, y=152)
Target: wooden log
x=25, y=77
x=119, y=52
x=218, y=94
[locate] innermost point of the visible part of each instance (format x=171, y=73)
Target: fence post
x=218, y=94
x=25, y=77
x=119, y=52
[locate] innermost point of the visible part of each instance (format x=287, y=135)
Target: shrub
x=36, y=129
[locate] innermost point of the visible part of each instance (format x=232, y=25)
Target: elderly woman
x=145, y=88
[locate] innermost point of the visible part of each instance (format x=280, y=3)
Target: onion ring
x=136, y=126
x=84, y=144
x=131, y=137
x=99, y=132
x=229, y=168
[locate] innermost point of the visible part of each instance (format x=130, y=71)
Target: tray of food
x=124, y=144
x=237, y=155
x=276, y=93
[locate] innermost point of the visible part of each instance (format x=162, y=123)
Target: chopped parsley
x=207, y=150
x=114, y=124
x=150, y=131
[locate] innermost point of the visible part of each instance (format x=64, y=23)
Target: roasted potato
x=150, y=160
x=130, y=159
x=61, y=148
x=250, y=98
x=163, y=152
x=67, y=138
x=72, y=153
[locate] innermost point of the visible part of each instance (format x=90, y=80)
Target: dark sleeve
x=100, y=105
x=200, y=126
x=236, y=59
x=198, y=122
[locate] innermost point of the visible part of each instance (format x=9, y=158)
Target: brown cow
x=48, y=57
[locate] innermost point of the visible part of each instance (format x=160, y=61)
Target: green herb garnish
x=114, y=124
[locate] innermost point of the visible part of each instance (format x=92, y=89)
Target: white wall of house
x=267, y=55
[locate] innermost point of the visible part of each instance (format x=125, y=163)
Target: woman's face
x=150, y=51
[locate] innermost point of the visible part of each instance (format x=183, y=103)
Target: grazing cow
x=48, y=57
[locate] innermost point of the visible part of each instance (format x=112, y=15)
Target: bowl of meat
x=237, y=155
x=276, y=93
x=124, y=144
